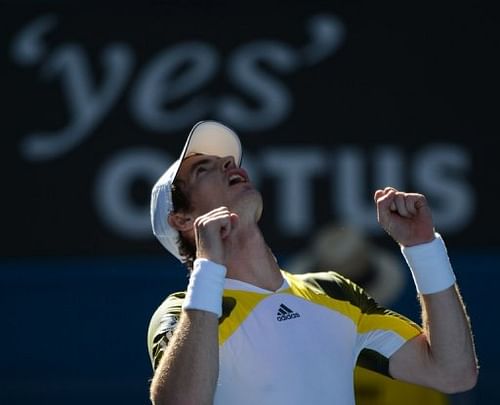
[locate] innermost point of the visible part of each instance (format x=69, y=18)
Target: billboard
x=331, y=102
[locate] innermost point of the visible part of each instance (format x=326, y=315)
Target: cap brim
x=212, y=138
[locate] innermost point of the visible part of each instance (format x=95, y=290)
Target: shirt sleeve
x=380, y=332
x=162, y=326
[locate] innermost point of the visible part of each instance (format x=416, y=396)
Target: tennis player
x=247, y=332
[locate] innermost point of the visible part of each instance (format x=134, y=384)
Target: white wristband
x=205, y=287
x=430, y=266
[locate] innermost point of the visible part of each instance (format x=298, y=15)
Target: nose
x=228, y=163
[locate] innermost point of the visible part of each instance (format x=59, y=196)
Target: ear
x=180, y=221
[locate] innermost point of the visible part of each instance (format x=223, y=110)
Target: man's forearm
x=448, y=331
x=443, y=356
x=188, y=371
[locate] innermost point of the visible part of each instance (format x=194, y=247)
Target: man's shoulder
x=172, y=304
x=331, y=283
x=162, y=325
x=167, y=314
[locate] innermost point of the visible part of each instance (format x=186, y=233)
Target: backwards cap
x=206, y=138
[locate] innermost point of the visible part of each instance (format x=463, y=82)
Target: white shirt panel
x=302, y=360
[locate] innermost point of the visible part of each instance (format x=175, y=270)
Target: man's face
x=212, y=182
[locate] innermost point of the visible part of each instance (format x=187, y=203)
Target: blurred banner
x=332, y=100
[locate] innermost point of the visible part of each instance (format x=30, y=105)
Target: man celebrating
x=247, y=332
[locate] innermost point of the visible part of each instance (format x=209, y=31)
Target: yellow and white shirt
x=296, y=345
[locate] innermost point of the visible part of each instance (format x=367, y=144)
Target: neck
x=250, y=260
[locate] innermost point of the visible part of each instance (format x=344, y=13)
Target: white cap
x=206, y=138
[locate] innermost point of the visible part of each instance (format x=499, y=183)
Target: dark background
x=77, y=290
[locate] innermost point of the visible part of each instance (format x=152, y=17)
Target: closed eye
x=200, y=167
x=199, y=170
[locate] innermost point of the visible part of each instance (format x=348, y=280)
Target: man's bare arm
x=188, y=370
x=443, y=356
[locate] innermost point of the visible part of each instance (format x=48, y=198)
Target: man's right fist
x=211, y=232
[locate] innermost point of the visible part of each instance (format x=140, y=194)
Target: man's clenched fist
x=212, y=231
x=405, y=216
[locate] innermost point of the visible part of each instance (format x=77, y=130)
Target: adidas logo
x=285, y=313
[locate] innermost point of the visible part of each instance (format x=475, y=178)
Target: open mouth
x=236, y=179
